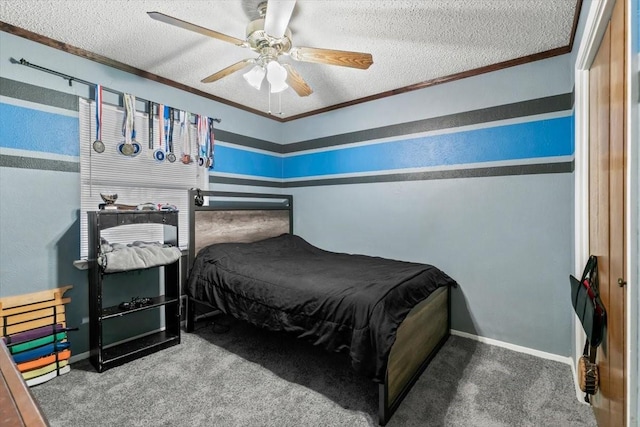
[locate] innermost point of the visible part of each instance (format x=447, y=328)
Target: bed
x=391, y=317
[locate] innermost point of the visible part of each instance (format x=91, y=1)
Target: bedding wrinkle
x=341, y=302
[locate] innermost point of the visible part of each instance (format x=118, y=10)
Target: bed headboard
x=236, y=217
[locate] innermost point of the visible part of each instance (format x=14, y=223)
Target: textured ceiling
x=412, y=42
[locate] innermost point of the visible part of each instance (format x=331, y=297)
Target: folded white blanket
x=137, y=255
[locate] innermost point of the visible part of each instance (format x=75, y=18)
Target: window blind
x=135, y=180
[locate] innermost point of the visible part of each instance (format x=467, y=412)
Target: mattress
x=341, y=302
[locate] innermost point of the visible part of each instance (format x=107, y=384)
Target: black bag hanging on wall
x=590, y=310
x=587, y=303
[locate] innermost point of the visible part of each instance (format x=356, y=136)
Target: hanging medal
x=150, y=108
x=197, y=123
x=137, y=148
x=211, y=141
x=126, y=148
x=205, y=141
x=165, y=130
x=98, y=145
x=185, y=137
x=171, y=157
x=158, y=154
x=202, y=140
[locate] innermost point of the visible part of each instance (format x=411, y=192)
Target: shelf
x=103, y=358
x=130, y=350
x=115, y=311
x=104, y=273
x=114, y=218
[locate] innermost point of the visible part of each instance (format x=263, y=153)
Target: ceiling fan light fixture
x=255, y=76
x=277, y=77
x=270, y=37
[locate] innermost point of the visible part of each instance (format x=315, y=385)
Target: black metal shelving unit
x=103, y=358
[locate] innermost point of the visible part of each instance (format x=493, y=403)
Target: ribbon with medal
x=150, y=110
x=165, y=129
x=202, y=136
x=185, y=137
x=98, y=145
x=171, y=156
x=130, y=146
x=211, y=140
x=158, y=154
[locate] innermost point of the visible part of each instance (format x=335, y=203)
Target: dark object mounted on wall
x=592, y=314
x=587, y=303
x=198, y=198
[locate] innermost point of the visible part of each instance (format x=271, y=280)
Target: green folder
x=37, y=342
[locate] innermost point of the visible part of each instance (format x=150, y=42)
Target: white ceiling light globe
x=255, y=76
x=277, y=76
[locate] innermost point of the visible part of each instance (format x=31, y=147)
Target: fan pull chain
x=279, y=102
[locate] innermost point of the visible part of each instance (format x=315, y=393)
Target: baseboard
x=526, y=350
x=81, y=356
x=78, y=357
x=520, y=349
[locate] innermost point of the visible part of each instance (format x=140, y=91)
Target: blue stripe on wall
x=29, y=129
x=543, y=138
x=233, y=160
x=35, y=130
x=573, y=132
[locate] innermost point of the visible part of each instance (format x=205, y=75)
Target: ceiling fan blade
x=332, y=57
x=278, y=16
x=229, y=70
x=296, y=81
x=195, y=28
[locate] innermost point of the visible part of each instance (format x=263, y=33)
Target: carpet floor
x=249, y=377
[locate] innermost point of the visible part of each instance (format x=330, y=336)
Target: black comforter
x=341, y=302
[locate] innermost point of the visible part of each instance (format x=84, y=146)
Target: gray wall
x=506, y=240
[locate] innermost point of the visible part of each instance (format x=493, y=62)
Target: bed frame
x=247, y=217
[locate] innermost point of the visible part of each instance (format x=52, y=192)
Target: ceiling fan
x=270, y=37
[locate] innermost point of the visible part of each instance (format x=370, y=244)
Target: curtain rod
x=72, y=79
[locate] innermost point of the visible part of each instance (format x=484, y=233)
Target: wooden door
x=607, y=163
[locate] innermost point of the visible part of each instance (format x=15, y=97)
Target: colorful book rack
x=33, y=327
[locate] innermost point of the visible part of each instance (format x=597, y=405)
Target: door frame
x=596, y=24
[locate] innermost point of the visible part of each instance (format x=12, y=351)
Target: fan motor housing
x=259, y=40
